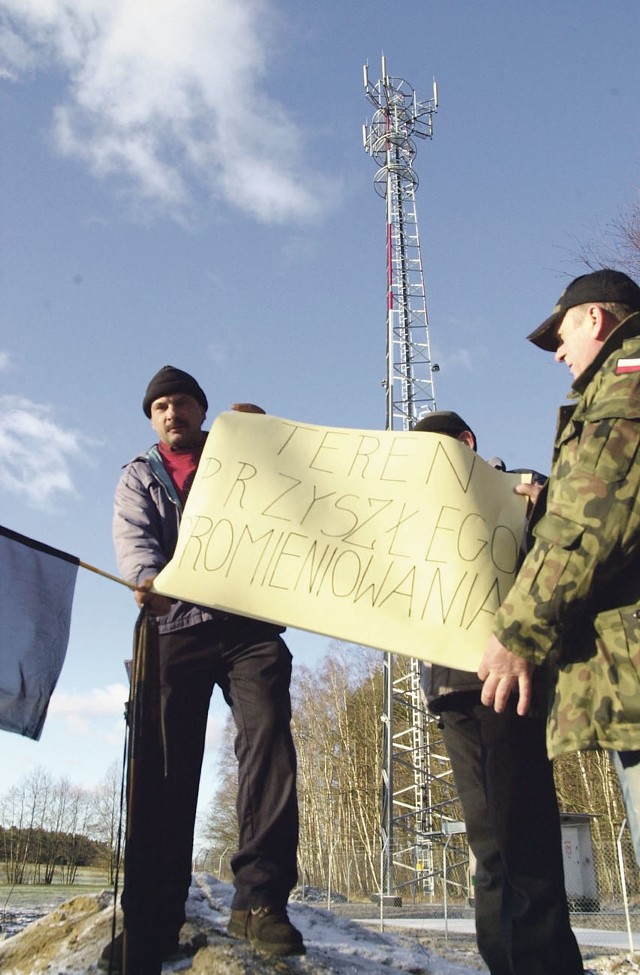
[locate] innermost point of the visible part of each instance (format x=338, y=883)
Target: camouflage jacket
x=576, y=600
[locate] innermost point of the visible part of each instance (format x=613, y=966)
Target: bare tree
x=338, y=736
x=15, y=836
x=55, y=813
x=105, y=823
x=587, y=783
x=75, y=825
x=618, y=245
x=23, y=812
x=220, y=827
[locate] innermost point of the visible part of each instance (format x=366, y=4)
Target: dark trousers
x=505, y=784
x=252, y=665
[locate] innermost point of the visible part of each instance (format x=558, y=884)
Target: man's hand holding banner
x=407, y=542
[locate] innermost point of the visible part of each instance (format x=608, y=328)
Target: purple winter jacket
x=146, y=518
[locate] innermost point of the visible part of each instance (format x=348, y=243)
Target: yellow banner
x=407, y=542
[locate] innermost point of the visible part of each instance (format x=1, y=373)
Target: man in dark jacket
x=199, y=648
x=505, y=785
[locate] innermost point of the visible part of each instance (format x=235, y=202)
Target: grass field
x=25, y=902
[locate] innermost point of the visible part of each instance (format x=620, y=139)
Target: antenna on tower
x=389, y=139
x=411, y=820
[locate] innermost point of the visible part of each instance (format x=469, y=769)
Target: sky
x=184, y=183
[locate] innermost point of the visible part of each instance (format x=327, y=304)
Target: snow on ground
x=69, y=939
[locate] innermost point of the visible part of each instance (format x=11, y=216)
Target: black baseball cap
x=599, y=286
x=443, y=421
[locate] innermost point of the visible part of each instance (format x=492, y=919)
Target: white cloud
x=215, y=731
x=462, y=359
x=15, y=56
x=167, y=93
x=36, y=452
x=95, y=720
x=5, y=361
x=101, y=701
x=218, y=353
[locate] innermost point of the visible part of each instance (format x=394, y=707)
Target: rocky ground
x=69, y=939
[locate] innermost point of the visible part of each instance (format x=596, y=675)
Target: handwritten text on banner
x=403, y=541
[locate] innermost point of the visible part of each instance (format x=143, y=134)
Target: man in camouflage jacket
x=576, y=600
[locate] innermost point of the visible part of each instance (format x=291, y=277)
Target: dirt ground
x=68, y=941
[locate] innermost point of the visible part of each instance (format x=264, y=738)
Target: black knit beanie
x=445, y=422
x=169, y=381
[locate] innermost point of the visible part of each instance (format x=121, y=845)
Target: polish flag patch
x=627, y=365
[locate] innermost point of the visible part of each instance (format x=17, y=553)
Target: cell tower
x=388, y=139
x=411, y=812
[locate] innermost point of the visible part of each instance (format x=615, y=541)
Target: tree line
x=49, y=828
x=338, y=731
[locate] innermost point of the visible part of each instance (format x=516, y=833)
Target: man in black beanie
x=505, y=784
x=169, y=380
x=198, y=648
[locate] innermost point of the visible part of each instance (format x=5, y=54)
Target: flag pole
x=107, y=575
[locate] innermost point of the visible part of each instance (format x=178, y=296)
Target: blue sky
x=185, y=183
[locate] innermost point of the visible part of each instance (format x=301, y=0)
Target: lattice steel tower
x=410, y=812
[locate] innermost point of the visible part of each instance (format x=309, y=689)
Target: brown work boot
x=268, y=930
